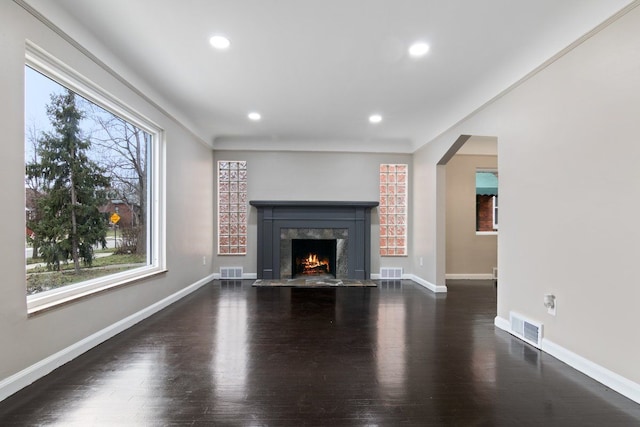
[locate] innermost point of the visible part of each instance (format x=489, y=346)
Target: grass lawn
x=40, y=279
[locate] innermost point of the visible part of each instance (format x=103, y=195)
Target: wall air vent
x=525, y=329
x=230, y=273
x=387, y=273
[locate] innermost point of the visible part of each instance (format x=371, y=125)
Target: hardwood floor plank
x=232, y=354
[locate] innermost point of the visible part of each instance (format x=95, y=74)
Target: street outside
x=110, y=245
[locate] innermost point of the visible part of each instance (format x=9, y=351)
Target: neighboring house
x=126, y=212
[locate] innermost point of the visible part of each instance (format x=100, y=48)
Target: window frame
x=49, y=66
x=494, y=205
x=494, y=214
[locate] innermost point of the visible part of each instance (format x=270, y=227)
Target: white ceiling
x=316, y=69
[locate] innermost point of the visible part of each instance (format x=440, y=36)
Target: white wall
x=286, y=175
x=468, y=254
x=189, y=215
x=569, y=134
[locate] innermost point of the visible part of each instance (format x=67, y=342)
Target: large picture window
x=92, y=187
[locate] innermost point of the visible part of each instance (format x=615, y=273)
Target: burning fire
x=313, y=265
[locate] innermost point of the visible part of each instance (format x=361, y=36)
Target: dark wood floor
x=234, y=355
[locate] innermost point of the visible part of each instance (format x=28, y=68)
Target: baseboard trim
x=425, y=283
x=502, y=323
x=599, y=373
x=484, y=276
x=29, y=375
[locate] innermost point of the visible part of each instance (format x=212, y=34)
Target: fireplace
x=280, y=223
x=313, y=257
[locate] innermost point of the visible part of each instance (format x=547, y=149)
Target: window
x=486, y=201
x=92, y=187
x=393, y=209
x=232, y=208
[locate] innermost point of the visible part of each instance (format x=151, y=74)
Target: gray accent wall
x=290, y=175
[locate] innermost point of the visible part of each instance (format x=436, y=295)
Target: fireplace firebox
x=313, y=257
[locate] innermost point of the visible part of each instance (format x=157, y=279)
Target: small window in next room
x=486, y=201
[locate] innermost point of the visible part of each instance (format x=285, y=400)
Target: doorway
x=470, y=253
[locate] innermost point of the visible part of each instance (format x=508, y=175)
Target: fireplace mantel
x=311, y=203
x=274, y=216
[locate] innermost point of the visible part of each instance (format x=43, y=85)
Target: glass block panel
x=393, y=209
x=232, y=217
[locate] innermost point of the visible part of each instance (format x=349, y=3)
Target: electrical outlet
x=551, y=303
x=204, y=260
x=421, y=261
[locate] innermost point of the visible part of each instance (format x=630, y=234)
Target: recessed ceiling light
x=220, y=42
x=375, y=118
x=255, y=116
x=418, y=49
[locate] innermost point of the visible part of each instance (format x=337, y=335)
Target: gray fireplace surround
x=280, y=221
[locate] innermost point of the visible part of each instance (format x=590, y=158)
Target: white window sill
x=486, y=233
x=48, y=300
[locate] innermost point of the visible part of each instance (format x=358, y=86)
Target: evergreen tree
x=72, y=188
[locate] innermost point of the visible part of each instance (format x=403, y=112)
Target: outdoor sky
x=38, y=90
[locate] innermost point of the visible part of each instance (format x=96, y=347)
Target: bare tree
x=35, y=186
x=123, y=150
